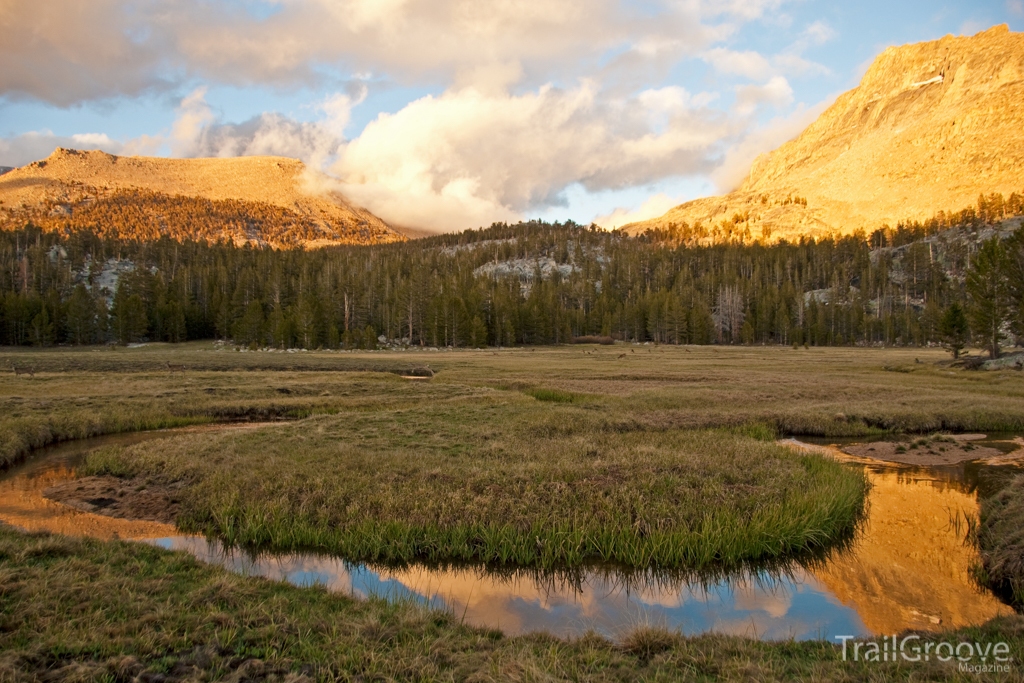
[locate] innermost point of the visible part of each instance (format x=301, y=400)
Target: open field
x=817, y=391
x=640, y=454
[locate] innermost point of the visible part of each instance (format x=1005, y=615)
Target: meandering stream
x=907, y=567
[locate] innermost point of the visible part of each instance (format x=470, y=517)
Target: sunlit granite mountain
x=261, y=200
x=930, y=127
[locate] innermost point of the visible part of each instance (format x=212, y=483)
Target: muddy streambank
x=941, y=449
x=907, y=568
x=120, y=498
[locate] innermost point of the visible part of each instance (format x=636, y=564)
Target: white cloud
x=194, y=118
x=1015, y=7
x=757, y=67
x=656, y=206
x=462, y=159
x=818, y=33
x=776, y=92
x=794, y=64
x=32, y=146
x=69, y=51
x=735, y=167
x=748, y=64
x=467, y=158
x=197, y=132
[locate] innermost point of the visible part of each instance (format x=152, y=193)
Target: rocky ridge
x=270, y=200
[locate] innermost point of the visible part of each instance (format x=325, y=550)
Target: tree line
x=528, y=283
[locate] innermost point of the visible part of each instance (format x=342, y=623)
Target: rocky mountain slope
x=930, y=127
x=260, y=200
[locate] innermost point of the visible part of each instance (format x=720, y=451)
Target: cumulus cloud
x=462, y=159
x=655, y=206
x=197, y=132
x=69, y=51
x=466, y=158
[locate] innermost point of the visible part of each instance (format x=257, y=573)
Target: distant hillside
x=6, y=169
x=260, y=200
x=930, y=127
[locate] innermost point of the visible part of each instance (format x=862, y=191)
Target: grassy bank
x=90, y=611
x=1001, y=542
x=501, y=479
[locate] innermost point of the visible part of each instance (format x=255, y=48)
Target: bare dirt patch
x=118, y=498
x=926, y=450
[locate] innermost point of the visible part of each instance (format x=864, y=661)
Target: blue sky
x=448, y=114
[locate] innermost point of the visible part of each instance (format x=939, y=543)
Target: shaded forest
x=950, y=282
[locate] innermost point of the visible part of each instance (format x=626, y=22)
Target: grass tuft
x=554, y=395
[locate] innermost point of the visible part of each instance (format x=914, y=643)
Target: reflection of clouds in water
x=296, y=569
x=795, y=609
x=752, y=604
x=758, y=604
x=770, y=597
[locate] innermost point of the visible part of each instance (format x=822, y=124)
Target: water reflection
x=910, y=567
x=757, y=604
x=907, y=567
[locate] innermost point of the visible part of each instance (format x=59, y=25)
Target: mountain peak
x=930, y=127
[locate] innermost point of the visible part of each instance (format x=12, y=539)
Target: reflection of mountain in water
x=22, y=504
x=910, y=568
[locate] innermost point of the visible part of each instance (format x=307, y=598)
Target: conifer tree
x=989, y=301
x=954, y=329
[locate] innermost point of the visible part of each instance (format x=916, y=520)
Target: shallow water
x=907, y=567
